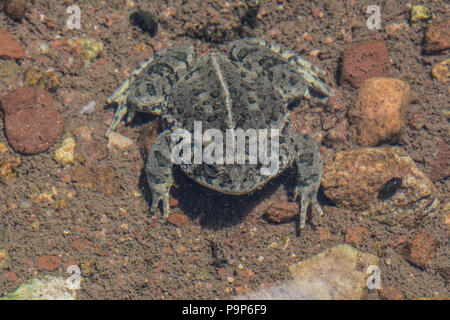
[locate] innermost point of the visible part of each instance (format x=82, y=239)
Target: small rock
x=440, y=162
x=49, y=288
x=441, y=71
x=324, y=233
x=16, y=8
x=50, y=263
x=119, y=141
x=336, y=135
x=356, y=235
x=10, y=48
x=173, y=202
x=421, y=249
x=101, y=179
x=282, y=212
x=32, y=125
x=418, y=13
x=372, y=168
x=8, y=68
x=437, y=37
x=390, y=293
x=89, y=49
x=364, y=60
x=3, y=148
x=11, y=276
x=379, y=110
x=48, y=80
x=334, y=274
x=4, y=259
x=178, y=219
x=66, y=153
x=8, y=168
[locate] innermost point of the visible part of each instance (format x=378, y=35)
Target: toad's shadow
x=216, y=210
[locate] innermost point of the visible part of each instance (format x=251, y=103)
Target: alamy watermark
x=74, y=20
x=208, y=147
x=374, y=21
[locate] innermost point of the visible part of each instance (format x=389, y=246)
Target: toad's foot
x=309, y=175
x=159, y=172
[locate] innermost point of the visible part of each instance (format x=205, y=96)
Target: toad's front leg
x=309, y=173
x=159, y=172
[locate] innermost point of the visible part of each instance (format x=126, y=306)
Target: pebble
x=421, y=249
x=379, y=110
x=49, y=263
x=116, y=140
x=8, y=168
x=437, y=37
x=4, y=259
x=178, y=219
x=441, y=71
x=48, y=288
x=372, y=168
x=356, y=235
x=8, y=68
x=364, y=60
x=440, y=162
x=419, y=13
x=32, y=124
x=282, y=212
x=66, y=153
x=390, y=293
x=334, y=274
x=10, y=48
x=16, y=8
x=48, y=80
x=89, y=49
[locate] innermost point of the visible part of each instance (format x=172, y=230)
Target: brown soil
x=124, y=252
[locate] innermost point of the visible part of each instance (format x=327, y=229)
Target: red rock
x=395, y=240
x=335, y=104
x=379, y=110
x=10, y=48
x=178, y=219
x=11, y=276
x=239, y=290
x=16, y=8
x=337, y=135
x=364, y=60
x=32, y=124
x=324, y=233
x=173, y=203
x=440, y=162
x=390, y=293
x=66, y=178
x=50, y=263
x=356, y=235
x=421, y=249
x=437, y=37
x=282, y=212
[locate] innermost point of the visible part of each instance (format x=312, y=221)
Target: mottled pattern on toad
x=250, y=86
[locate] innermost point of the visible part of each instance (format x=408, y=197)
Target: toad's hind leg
x=309, y=174
x=292, y=87
x=159, y=172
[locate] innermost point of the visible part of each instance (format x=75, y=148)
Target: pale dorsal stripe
x=228, y=102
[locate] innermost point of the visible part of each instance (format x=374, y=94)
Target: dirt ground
x=226, y=246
